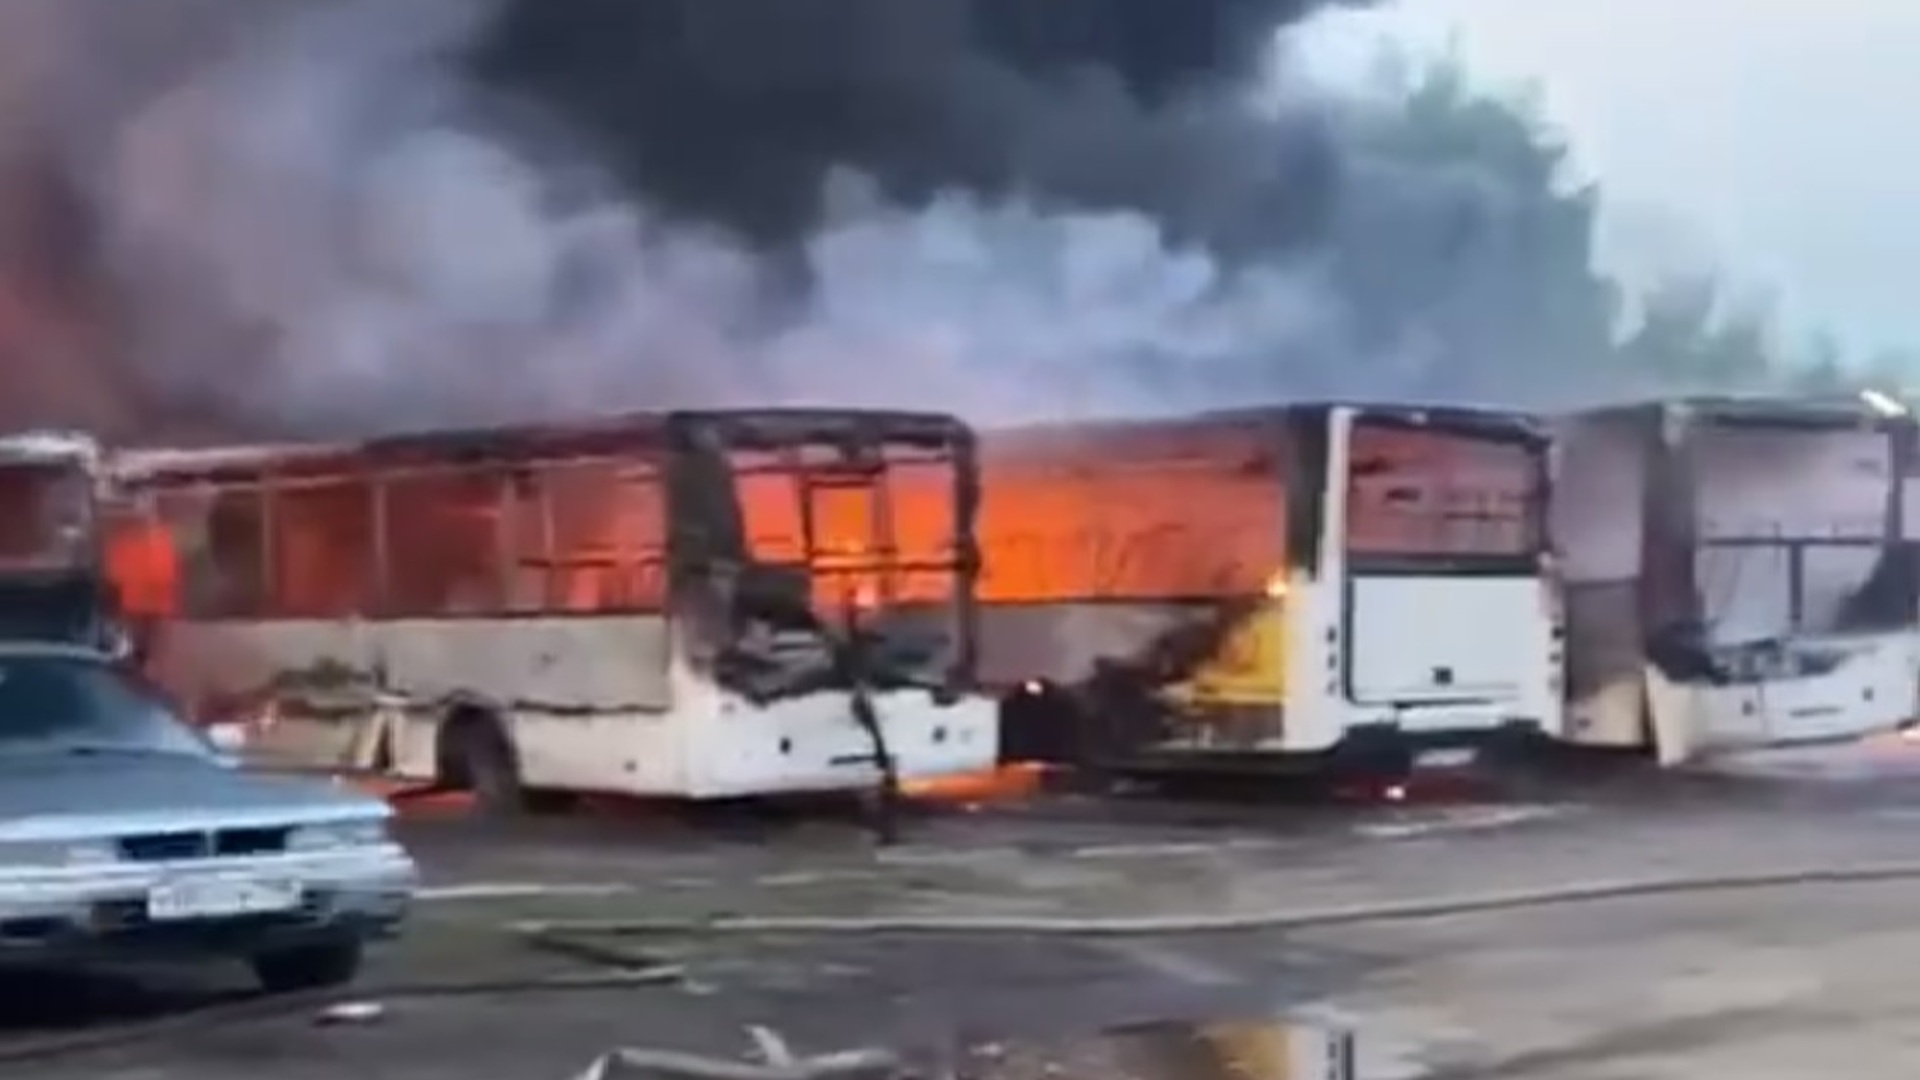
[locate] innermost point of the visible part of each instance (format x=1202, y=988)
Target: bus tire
x=477, y=755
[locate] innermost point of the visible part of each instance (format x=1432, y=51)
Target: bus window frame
x=373, y=590
x=702, y=442
x=630, y=471
x=253, y=490
x=651, y=443
x=1527, y=562
x=1674, y=481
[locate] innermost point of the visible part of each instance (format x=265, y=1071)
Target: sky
x=1776, y=139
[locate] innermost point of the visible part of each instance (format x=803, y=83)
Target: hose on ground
x=658, y=1064
x=1290, y=918
x=573, y=937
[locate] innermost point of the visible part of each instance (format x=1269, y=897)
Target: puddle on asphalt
x=1283, y=1048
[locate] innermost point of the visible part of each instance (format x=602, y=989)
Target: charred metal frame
x=1669, y=611
x=1673, y=542
x=708, y=550
x=73, y=603
x=710, y=557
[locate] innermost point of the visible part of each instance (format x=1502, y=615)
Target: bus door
x=1444, y=544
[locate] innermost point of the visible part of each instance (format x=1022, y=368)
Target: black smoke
x=333, y=215
x=735, y=111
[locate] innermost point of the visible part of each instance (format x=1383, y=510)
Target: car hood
x=48, y=796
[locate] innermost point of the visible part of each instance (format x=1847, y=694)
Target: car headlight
x=51, y=854
x=335, y=835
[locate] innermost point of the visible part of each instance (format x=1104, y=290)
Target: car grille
x=125, y=921
x=173, y=846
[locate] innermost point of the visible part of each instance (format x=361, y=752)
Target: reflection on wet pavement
x=1001, y=1011
x=1281, y=1048
x=1271, y=1049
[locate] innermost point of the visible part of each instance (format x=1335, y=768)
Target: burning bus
x=1738, y=573
x=52, y=583
x=1300, y=586
x=694, y=604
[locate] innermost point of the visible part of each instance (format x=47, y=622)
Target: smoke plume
x=336, y=215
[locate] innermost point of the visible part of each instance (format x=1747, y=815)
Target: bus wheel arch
x=474, y=752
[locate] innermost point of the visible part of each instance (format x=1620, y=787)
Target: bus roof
x=1760, y=410
x=47, y=445
x=1209, y=427
x=152, y=462
x=747, y=428
x=629, y=433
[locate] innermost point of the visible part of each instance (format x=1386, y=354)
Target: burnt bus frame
x=694, y=559
x=666, y=437
x=82, y=461
x=1672, y=544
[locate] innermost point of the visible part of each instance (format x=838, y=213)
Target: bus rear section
x=1290, y=588
x=1739, y=574
x=688, y=604
x=1434, y=590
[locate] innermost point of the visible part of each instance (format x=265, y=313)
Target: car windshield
x=68, y=705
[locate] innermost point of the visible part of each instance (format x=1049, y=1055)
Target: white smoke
x=313, y=216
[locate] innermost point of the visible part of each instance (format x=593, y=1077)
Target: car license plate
x=219, y=897
x=1443, y=759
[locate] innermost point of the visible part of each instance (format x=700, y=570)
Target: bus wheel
x=476, y=755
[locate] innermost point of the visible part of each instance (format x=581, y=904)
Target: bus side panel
x=583, y=697
x=1060, y=642
x=1598, y=520
x=804, y=743
x=305, y=687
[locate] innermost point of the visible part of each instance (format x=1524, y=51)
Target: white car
x=125, y=834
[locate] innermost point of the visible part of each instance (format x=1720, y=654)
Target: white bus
x=1736, y=573
x=698, y=605
x=1297, y=588
x=52, y=582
